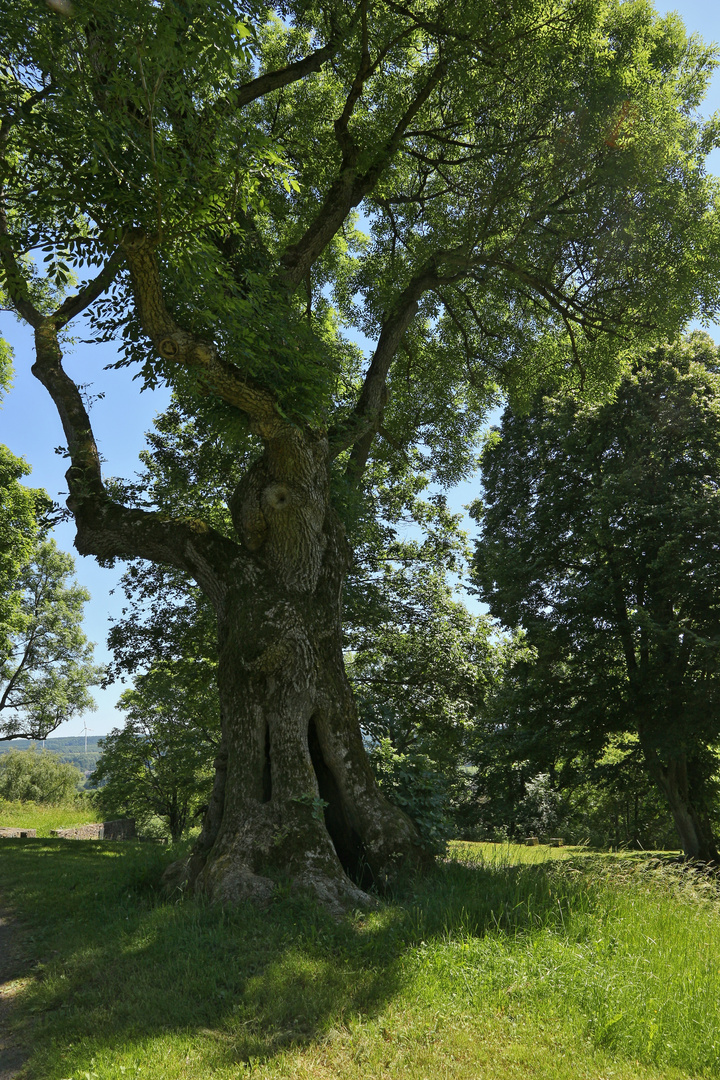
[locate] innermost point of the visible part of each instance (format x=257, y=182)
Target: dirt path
x=12, y=1056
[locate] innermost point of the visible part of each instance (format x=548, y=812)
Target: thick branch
x=276, y=80
x=14, y=279
x=348, y=190
x=73, y=305
x=180, y=347
x=106, y=528
x=367, y=413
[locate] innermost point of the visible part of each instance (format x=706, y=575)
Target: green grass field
x=506, y=962
x=44, y=818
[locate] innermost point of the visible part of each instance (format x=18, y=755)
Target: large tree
x=600, y=537
x=534, y=197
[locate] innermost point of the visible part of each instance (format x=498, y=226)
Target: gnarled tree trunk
x=294, y=796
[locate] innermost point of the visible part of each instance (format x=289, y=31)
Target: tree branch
x=348, y=190
x=105, y=528
x=276, y=80
x=73, y=305
x=181, y=347
x=367, y=413
x=14, y=279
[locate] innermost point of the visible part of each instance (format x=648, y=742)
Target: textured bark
x=294, y=797
x=692, y=824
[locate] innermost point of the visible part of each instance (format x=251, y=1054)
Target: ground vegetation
x=503, y=961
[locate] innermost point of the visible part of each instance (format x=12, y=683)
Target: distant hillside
x=69, y=748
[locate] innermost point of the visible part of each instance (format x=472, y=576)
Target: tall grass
x=44, y=817
x=491, y=967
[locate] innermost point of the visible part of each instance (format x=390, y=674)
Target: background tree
x=600, y=532
x=160, y=763
x=422, y=668
x=46, y=670
x=21, y=510
x=34, y=775
x=534, y=778
x=422, y=673
x=533, y=185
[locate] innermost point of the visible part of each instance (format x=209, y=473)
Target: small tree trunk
x=692, y=825
x=294, y=797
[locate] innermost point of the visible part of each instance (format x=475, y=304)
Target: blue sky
x=29, y=425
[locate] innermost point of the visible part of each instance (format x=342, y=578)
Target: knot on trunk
x=271, y=659
x=168, y=348
x=276, y=497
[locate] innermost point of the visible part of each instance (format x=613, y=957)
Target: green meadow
x=504, y=962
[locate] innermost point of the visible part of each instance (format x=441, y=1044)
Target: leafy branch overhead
x=519, y=184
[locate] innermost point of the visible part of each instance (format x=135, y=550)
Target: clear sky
x=29, y=425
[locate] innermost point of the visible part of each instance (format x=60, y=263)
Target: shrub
x=412, y=782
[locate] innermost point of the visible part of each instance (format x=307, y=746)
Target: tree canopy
x=600, y=533
x=493, y=194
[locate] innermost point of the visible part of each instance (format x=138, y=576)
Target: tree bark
x=294, y=798
x=692, y=824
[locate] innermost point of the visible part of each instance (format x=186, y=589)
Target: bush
x=412, y=782
x=38, y=776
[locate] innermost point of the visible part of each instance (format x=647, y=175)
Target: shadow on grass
x=114, y=965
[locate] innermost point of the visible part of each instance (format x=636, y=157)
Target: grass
x=43, y=817
x=506, y=962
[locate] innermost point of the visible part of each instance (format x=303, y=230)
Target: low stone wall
x=18, y=832
x=123, y=829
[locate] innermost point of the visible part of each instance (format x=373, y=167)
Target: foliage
x=412, y=781
x=607, y=802
x=521, y=216
x=37, y=776
x=422, y=666
x=160, y=763
x=491, y=179
x=21, y=512
x=47, y=671
x=600, y=531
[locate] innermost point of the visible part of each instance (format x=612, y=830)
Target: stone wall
x=123, y=829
